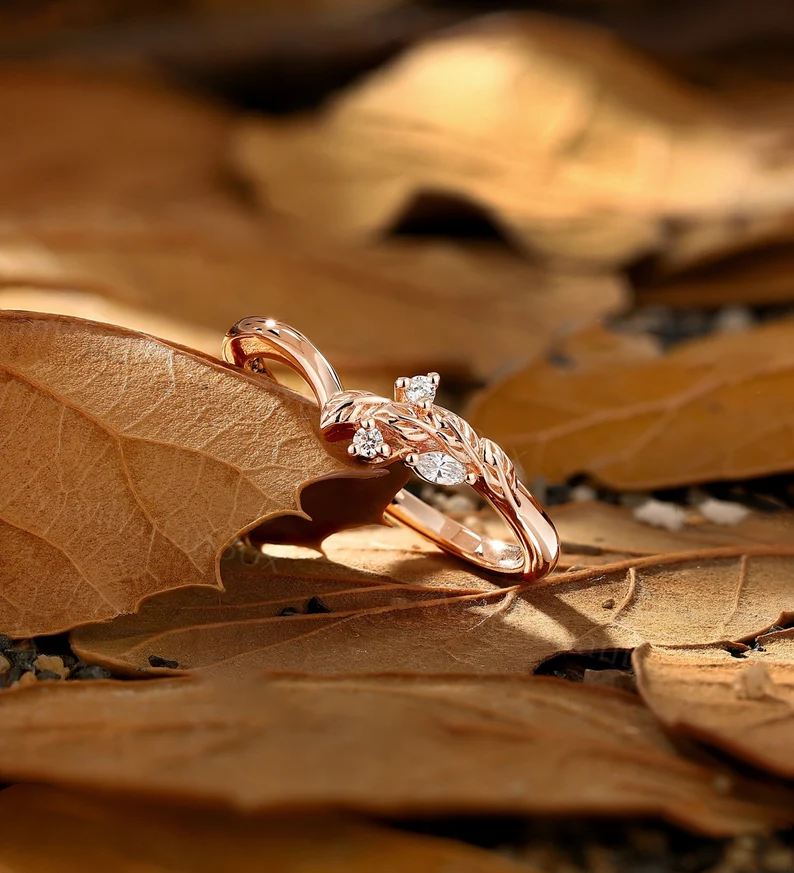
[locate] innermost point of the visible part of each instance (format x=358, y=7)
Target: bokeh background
x=440, y=185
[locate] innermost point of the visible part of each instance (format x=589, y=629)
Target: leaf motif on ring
x=494, y=461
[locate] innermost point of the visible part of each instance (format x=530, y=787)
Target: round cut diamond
x=421, y=388
x=440, y=469
x=368, y=441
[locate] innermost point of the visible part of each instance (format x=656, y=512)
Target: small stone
x=22, y=658
x=609, y=603
x=460, y=504
x=289, y=610
x=368, y=441
x=583, y=494
x=82, y=671
x=28, y=678
x=315, y=606
x=48, y=676
x=723, y=511
x=5, y=643
x=657, y=513
x=421, y=388
x=440, y=469
x=5, y=665
x=157, y=661
x=51, y=664
x=733, y=319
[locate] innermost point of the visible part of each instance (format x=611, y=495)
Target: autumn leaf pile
x=212, y=654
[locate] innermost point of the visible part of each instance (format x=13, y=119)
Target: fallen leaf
x=385, y=746
x=716, y=239
x=210, y=270
x=94, y=307
x=128, y=466
x=571, y=142
x=83, y=141
x=755, y=278
x=614, y=529
x=372, y=606
x=712, y=409
x=738, y=699
x=49, y=828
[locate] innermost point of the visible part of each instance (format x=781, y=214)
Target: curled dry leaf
x=382, y=745
x=403, y=307
x=374, y=606
x=128, y=465
x=739, y=699
x=49, y=829
x=599, y=526
x=711, y=409
x=573, y=143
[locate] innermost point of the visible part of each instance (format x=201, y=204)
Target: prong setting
x=417, y=389
x=368, y=442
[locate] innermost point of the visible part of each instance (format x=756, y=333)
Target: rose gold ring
x=436, y=444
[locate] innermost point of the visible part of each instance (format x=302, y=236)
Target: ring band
x=438, y=445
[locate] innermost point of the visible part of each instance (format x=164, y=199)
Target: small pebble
x=47, y=676
x=609, y=603
x=733, y=319
x=460, y=504
x=22, y=657
x=289, y=610
x=316, y=606
x=83, y=671
x=5, y=643
x=27, y=679
x=723, y=511
x=583, y=494
x=157, y=661
x=51, y=664
x=657, y=513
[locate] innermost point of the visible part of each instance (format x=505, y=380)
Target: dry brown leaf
x=574, y=143
x=757, y=277
x=94, y=307
x=712, y=409
x=128, y=465
x=614, y=529
x=740, y=700
x=49, y=828
x=82, y=141
x=212, y=270
x=373, y=606
x=384, y=745
x=710, y=242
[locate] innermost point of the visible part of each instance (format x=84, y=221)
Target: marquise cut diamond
x=440, y=469
x=421, y=388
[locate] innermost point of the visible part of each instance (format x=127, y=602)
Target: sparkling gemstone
x=421, y=388
x=368, y=441
x=440, y=468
